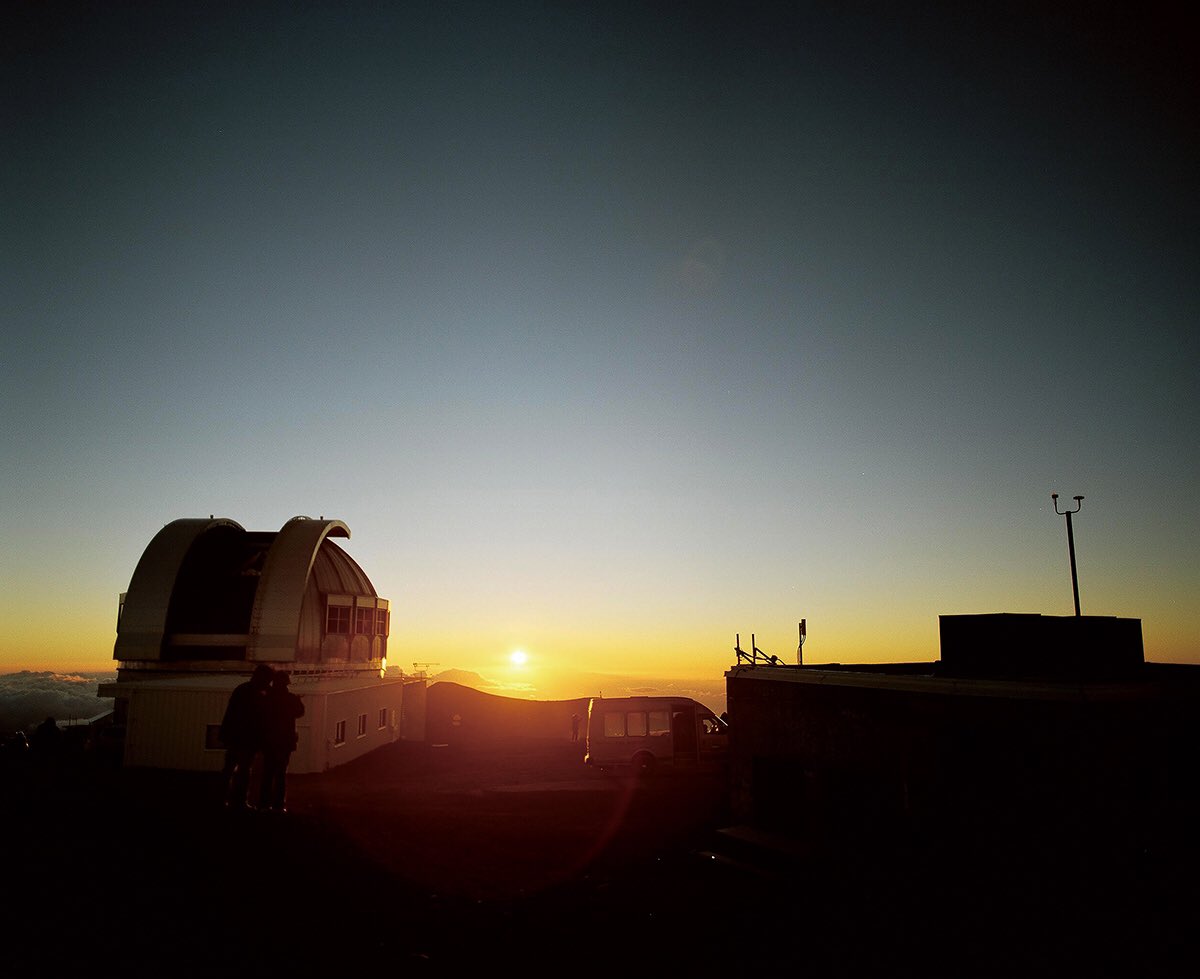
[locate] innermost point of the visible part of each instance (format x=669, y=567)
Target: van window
x=637, y=724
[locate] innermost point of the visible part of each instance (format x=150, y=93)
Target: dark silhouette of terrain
x=458, y=714
x=505, y=854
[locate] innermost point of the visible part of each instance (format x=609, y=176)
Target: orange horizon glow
x=689, y=657
x=583, y=634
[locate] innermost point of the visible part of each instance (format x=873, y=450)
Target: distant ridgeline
x=459, y=715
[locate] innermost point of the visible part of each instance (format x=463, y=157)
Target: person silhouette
x=574, y=727
x=242, y=734
x=282, y=708
x=47, y=740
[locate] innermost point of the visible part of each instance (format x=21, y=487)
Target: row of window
x=213, y=742
x=637, y=724
x=339, y=729
x=367, y=621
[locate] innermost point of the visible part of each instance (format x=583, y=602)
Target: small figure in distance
x=574, y=727
x=242, y=733
x=46, y=739
x=279, y=741
x=47, y=745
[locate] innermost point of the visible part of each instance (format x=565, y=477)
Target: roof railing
x=756, y=657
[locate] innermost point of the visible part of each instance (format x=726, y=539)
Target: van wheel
x=643, y=763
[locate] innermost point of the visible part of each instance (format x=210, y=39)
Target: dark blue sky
x=609, y=327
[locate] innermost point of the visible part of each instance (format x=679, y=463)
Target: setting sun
x=518, y=657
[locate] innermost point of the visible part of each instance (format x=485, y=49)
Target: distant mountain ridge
x=575, y=686
x=457, y=714
x=464, y=677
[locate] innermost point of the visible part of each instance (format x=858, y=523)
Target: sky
x=613, y=331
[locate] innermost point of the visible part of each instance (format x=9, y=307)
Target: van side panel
x=644, y=732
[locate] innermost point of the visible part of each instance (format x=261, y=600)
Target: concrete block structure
x=1030, y=725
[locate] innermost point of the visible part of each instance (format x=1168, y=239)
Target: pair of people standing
x=260, y=719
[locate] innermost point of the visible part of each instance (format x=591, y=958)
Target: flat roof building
x=1034, y=726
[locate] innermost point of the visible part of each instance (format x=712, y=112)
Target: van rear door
x=686, y=747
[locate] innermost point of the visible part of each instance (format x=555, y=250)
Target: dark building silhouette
x=1050, y=729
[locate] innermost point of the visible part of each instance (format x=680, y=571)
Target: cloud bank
x=28, y=698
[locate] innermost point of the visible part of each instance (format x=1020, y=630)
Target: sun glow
x=518, y=657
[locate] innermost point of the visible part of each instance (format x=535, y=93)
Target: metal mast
x=1070, y=542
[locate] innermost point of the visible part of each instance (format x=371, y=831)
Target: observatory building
x=210, y=600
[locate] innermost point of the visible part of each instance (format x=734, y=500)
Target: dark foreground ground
x=453, y=861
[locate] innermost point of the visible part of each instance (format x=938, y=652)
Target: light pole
x=1070, y=542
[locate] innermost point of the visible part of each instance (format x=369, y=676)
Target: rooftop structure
x=208, y=595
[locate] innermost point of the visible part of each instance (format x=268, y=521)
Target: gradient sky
x=610, y=330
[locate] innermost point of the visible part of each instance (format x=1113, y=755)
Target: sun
x=518, y=657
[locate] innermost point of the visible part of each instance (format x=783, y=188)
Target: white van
x=643, y=733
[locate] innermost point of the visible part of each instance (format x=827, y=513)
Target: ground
x=516, y=857
x=432, y=858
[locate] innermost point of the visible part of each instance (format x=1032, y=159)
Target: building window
x=381, y=622
x=337, y=619
x=382, y=717
x=362, y=725
x=339, y=733
x=364, y=621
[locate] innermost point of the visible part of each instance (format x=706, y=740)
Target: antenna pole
x=1074, y=573
x=1070, y=543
